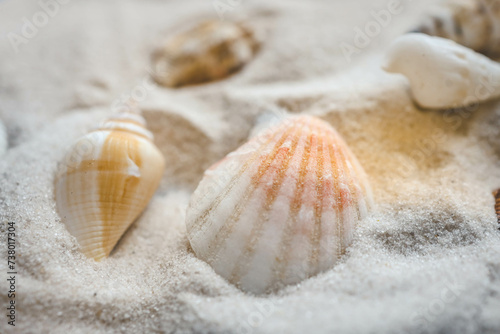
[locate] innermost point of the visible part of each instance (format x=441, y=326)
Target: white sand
x=428, y=260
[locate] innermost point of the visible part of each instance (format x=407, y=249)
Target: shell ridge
x=328, y=214
x=348, y=159
x=228, y=226
x=243, y=261
x=334, y=162
x=264, y=262
x=345, y=157
x=351, y=182
x=318, y=206
x=286, y=237
x=304, y=229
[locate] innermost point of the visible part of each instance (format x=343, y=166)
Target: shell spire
x=106, y=180
x=128, y=120
x=281, y=208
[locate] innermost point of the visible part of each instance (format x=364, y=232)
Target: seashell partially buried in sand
x=442, y=73
x=472, y=23
x=210, y=51
x=106, y=180
x=281, y=208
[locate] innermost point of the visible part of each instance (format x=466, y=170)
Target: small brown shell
x=210, y=51
x=496, y=193
x=472, y=23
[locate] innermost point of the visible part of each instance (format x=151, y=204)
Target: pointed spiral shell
x=210, y=51
x=472, y=23
x=106, y=180
x=281, y=208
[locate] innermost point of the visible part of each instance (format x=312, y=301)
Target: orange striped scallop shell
x=281, y=208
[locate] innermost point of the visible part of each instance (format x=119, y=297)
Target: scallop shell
x=3, y=139
x=496, y=194
x=210, y=51
x=442, y=73
x=281, y=208
x=106, y=180
x=472, y=23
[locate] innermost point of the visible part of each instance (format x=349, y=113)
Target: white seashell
x=281, y=208
x=3, y=139
x=106, y=181
x=210, y=51
x=472, y=23
x=442, y=73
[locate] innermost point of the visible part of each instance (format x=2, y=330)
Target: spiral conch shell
x=472, y=23
x=281, y=208
x=210, y=51
x=442, y=73
x=106, y=180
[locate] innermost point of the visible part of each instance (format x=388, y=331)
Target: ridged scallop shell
x=210, y=51
x=281, y=208
x=442, y=73
x=106, y=180
x=496, y=194
x=3, y=139
x=472, y=23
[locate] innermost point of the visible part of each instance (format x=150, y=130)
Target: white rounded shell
x=105, y=182
x=442, y=73
x=281, y=208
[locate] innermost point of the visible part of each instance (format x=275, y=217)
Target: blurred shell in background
x=281, y=208
x=208, y=52
x=106, y=180
x=472, y=23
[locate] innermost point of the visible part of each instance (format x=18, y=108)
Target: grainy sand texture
x=426, y=260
